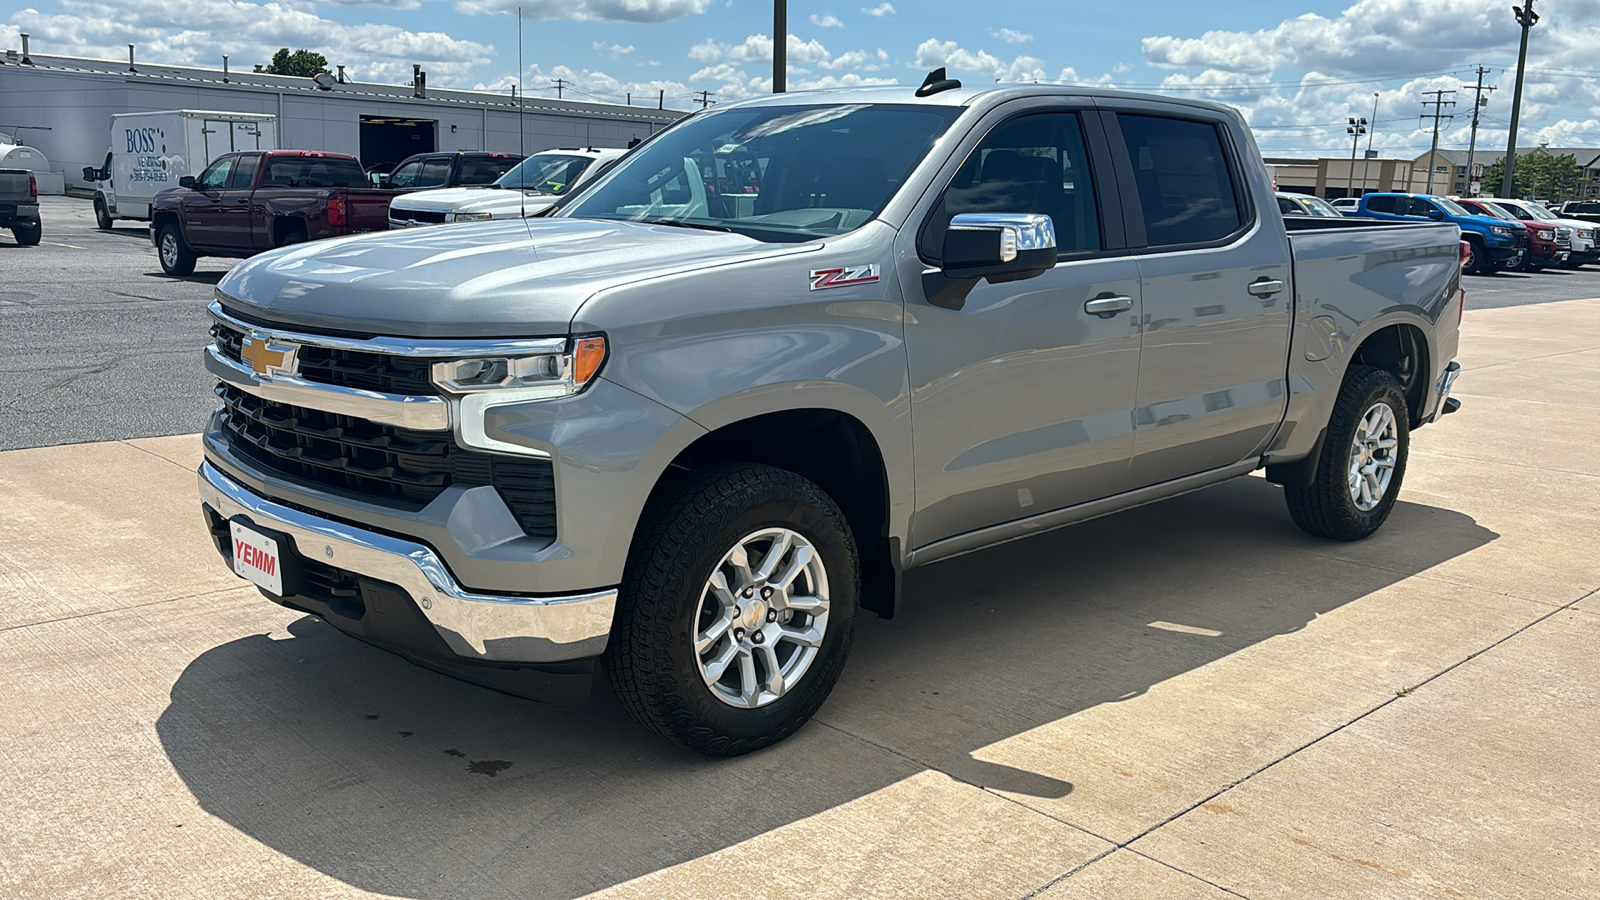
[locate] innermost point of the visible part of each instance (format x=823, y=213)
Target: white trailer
x=150, y=151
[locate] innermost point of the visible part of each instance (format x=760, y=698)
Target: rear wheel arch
x=1402, y=350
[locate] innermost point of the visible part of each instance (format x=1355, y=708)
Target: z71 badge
x=843, y=277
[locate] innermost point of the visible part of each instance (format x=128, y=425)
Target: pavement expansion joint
x=116, y=609
x=1501, y=462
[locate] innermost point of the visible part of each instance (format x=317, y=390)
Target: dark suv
x=440, y=170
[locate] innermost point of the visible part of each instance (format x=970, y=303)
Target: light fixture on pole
x=1527, y=18
x=1357, y=128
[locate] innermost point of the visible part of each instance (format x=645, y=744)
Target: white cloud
x=859, y=60
x=169, y=31
x=612, y=50
x=758, y=48
x=933, y=53
x=826, y=21
x=589, y=84
x=1012, y=37
x=587, y=10
x=881, y=10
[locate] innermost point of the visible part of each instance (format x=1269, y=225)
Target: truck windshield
x=545, y=174
x=1496, y=210
x=1539, y=212
x=773, y=173
x=1320, y=207
x=313, y=171
x=1451, y=207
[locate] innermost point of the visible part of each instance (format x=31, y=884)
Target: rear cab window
x=484, y=169
x=244, y=172
x=313, y=172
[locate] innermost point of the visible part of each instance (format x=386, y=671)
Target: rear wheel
x=28, y=233
x=176, y=257
x=737, y=609
x=102, y=216
x=294, y=235
x=1363, y=460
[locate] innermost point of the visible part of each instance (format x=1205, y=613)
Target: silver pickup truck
x=688, y=425
x=19, y=206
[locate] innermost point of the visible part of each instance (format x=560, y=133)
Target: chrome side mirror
x=999, y=246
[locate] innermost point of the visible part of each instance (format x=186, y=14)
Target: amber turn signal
x=587, y=355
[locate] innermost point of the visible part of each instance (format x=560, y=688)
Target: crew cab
x=1492, y=243
x=1585, y=235
x=1582, y=210
x=687, y=430
x=461, y=168
x=1548, y=245
x=529, y=189
x=243, y=203
x=19, y=206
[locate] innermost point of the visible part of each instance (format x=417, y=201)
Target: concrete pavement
x=1192, y=699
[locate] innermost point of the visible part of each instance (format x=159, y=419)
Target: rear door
x=1021, y=398
x=202, y=205
x=234, y=212
x=1214, y=271
x=435, y=172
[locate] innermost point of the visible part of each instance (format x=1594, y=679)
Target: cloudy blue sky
x=1298, y=68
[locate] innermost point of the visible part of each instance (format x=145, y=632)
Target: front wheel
x=28, y=234
x=1363, y=460
x=736, y=611
x=176, y=257
x=102, y=216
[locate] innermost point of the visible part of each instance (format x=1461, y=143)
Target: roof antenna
x=936, y=82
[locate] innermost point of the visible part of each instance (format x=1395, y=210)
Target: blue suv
x=1495, y=243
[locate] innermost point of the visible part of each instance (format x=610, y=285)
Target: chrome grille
x=420, y=216
x=383, y=372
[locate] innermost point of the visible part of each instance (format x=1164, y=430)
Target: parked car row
x=1499, y=233
x=247, y=202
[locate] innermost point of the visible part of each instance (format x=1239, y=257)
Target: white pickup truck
x=532, y=187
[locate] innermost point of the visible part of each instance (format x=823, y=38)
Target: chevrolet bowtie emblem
x=266, y=357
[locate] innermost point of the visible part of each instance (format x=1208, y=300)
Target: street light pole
x=1366, y=162
x=1527, y=18
x=1357, y=128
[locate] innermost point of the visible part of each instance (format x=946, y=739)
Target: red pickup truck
x=244, y=203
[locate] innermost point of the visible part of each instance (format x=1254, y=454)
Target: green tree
x=1538, y=176
x=303, y=63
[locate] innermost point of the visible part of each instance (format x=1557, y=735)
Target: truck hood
x=442, y=198
x=519, y=278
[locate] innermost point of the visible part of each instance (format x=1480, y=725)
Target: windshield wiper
x=685, y=223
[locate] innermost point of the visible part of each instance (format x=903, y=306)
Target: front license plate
x=256, y=557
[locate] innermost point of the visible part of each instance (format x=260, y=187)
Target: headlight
x=1546, y=235
x=539, y=377
x=470, y=217
x=1501, y=230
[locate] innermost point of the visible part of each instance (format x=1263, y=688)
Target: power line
x=704, y=98
x=559, y=84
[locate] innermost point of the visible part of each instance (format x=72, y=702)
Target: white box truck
x=150, y=151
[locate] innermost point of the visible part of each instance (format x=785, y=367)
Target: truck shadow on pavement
x=397, y=780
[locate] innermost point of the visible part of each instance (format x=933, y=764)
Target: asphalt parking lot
x=1188, y=700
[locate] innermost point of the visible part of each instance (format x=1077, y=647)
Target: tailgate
x=14, y=186
x=368, y=210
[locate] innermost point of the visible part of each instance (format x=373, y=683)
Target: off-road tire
x=28, y=234
x=179, y=259
x=1325, y=507
x=102, y=216
x=682, y=535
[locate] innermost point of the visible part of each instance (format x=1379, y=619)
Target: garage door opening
x=386, y=140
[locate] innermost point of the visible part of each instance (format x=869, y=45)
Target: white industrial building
x=63, y=106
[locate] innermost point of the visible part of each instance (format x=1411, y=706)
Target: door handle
x=1107, y=306
x=1265, y=288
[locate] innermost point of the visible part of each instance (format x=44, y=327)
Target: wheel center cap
x=755, y=612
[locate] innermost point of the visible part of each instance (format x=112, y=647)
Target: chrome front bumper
x=476, y=627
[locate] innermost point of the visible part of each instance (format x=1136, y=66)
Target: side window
x=1031, y=164
x=1287, y=207
x=1186, y=191
x=1420, y=208
x=244, y=172
x=406, y=175
x=216, y=175
x=1381, y=204
x=435, y=172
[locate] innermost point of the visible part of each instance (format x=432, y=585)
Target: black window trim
x=1133, y=207
x=1113, y=243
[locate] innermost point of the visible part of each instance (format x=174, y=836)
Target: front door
x=235, y=231
x=1022, y=399
x=202, y=205
x=1217, y=303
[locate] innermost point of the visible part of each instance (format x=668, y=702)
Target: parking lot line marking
x=57, y=244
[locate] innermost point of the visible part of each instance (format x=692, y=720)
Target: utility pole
x=704, y=98
x=1479, y=101
x=1527, y=18
x=559, y=84
x=1357, y=128
x=1439, y=103
x=1366, y=158
x=780, y=45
